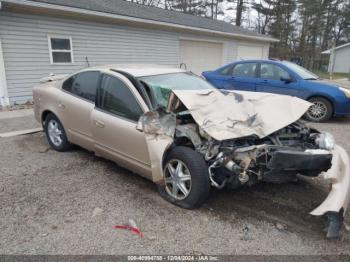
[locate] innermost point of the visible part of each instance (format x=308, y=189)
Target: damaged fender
x=339, y=175
x=159, y=129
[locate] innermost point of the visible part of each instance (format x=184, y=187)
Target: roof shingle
x=129, y=9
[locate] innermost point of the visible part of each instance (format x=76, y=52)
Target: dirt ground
x=68, y=203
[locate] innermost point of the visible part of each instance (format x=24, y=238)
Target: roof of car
x=139, y=70
x=260, y=60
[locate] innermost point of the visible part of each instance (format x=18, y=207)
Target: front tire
x=186, y=178
x=320, y=111
x=56, y=134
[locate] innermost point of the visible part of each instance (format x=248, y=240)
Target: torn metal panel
x=339, y=175
x=157, y=146
x=159, y=129
x=157, y=122
x=232, y=115
x=190, y=131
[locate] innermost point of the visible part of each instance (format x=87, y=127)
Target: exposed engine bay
x=277, y=158
x=253, y=146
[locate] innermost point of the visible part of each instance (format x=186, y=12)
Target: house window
x=61, y=51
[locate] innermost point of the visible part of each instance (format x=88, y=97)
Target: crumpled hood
x=228, y=115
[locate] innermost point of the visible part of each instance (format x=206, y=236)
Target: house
x=340, y=60
x=40, y=37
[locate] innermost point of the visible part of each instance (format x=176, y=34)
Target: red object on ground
x=130, y=228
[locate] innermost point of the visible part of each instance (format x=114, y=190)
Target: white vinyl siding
x=27, y=57
x=27, y=54
x=342, y=60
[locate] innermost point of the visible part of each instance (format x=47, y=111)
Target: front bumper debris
x=335, y=205
x=296, y=160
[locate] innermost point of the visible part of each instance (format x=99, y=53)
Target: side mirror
x=286, y=80
x=139, y=125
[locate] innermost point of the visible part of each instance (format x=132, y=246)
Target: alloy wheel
x=177, y=179
x=54, y=132
x=317, y=111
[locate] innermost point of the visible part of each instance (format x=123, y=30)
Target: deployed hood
x=221, y=115
x=229, y=115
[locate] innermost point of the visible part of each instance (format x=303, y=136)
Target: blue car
x=286, y=78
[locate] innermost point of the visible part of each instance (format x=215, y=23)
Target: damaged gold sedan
x=186, y=136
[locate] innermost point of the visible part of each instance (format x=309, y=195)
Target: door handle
x=263, y=81
x=99, y=123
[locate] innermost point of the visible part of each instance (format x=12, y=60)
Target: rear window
x=83, y=85
x=245, y=70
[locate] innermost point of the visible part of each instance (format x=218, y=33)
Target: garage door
x=249, y=52
x=199, y=56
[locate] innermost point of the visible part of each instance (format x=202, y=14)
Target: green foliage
x=305, y=28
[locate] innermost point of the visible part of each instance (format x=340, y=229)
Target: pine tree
x=194, y=7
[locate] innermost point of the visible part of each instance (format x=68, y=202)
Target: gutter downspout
x=4, y=97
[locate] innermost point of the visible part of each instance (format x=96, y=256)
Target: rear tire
x=320, y=111
x=56, y=134
x=191, y=183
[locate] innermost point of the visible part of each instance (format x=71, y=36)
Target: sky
x=249, y=16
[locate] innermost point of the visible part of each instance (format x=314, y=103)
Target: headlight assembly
x=345, y=91
x=325, y=141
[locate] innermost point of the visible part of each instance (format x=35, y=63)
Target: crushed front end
x=246, y=141
x=278, y=158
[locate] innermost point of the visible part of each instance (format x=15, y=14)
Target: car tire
x=56, y=134
x=320, y=111
x=194, y=168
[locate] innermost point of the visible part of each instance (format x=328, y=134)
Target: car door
x=75, y=106
x=242, y=76
x=114, y=121
x=275, y=79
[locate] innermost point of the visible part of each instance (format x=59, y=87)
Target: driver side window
x=116, y=98
x=273, y=72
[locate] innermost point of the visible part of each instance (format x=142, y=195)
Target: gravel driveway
x=68, y=203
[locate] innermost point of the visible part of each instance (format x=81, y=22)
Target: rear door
x=242, y=76
x=114, y=121
x=272, y=80
x=75, y=106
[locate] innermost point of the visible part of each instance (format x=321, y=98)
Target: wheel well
x=324, y=97
x=44, y=115
x=184, y=141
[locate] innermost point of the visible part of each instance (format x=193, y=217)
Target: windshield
x=301, y=71
x=162, y=85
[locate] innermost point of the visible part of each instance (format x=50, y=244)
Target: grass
x=325, y=75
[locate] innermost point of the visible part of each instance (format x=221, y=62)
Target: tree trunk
x=240, y=5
